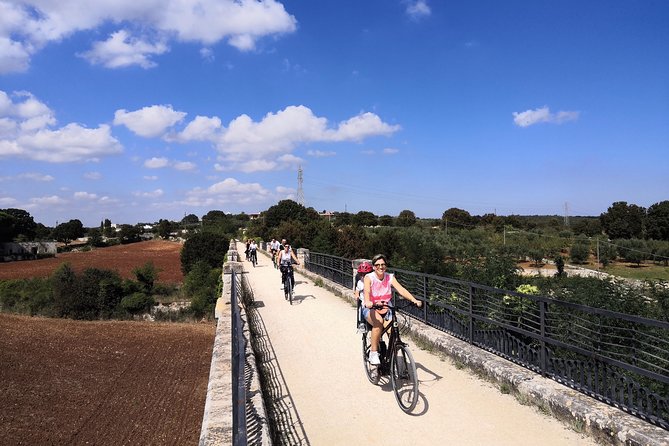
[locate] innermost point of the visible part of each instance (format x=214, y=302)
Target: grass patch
x=505, y=388
x=319, y=282
x=646, y=271
x=578, y=426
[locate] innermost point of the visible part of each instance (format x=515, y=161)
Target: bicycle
x=254, y=257
x=288, y=280
x=396, y=361
x=275, y=262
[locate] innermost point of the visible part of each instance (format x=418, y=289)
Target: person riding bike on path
x=248, y=243
x=359, y=291
x=377, y=290
x=285, y=259
x=253, y=250
x=273, y=247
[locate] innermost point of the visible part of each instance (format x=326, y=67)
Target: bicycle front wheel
x=371, y=371
x=289, y=284
x=404, y=378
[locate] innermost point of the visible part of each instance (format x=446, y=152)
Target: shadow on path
x=286, y=425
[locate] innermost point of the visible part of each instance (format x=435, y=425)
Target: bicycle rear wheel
x=372, y=371
x=404, y=378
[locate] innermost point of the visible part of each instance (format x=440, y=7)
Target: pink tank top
x=380, y=289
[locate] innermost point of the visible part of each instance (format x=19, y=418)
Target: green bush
x=137, y=303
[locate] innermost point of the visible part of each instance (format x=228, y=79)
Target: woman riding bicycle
x=378, y=291
x=285, y=258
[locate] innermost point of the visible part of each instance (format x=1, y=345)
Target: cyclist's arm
x=404, y=292
x=292, y=254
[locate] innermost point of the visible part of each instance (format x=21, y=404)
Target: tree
x=66, y=232
x=108, y=230
x=657, y=221
x=206, y=246
x=22, y=224
x=95, y=237
x=146, y=275
x=165, y=228
x=129, y=234
x=365, y=218
x=7, y=227
x=456, y=216
x=286, y=210
x=343, y=219
x=385, y=220
x=406, y=218
x=623, y=221
x=580, y=250
x=190, y=220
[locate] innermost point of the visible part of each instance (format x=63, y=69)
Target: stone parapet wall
x=217, y=428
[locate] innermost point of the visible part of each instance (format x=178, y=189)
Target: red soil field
x=165, y=256
x=65, y=382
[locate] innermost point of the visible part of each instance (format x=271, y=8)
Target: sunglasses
x=379, y=265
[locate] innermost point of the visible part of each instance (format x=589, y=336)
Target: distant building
x=329, y=215
x=25, y=250
x=254, y=216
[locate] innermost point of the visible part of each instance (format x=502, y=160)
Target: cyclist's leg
x=376, y=321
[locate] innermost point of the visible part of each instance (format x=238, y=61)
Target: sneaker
x=374, y=358
x=282, y=286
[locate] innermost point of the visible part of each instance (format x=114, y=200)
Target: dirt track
x=66, y=382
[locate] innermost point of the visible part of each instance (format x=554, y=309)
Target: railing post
x=425, y=298
x=471, y=314
x=543, y=354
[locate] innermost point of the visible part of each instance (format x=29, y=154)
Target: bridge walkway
x=322, y=396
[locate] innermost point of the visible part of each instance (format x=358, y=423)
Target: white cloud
x=150, y=177
x=122, y=50
x=202, y=128
x=93, y=175
x=7, y=201
x=159, y=163
x=184, y=165
x=34, y=176
x=151, y=194
x=84, y=196
x=390, y=151
x=25, y=132
x=227, y=191
x=48, y=201
x=543, y=114
x=27, y=26
x=156, y=163
x=417, y=9
x=150, y=121
x=320, y=153
x=258, y=146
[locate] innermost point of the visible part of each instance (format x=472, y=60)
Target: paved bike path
x=317, y=354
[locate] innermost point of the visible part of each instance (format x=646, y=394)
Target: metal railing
x=336, y=269
x=620, y=359
x=238, y=366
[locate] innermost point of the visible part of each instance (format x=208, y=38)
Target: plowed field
x=66, y=382
x=165, y=256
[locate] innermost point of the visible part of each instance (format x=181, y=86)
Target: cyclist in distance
x=253, y=250
x=273, y=248
x=377, y=290
x=285, y=258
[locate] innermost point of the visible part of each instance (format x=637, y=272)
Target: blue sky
x=136, y=111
